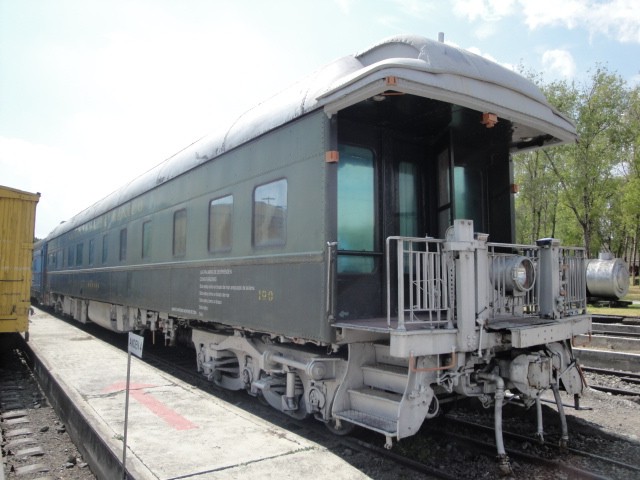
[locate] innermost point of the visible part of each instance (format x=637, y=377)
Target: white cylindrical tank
x=607, y=277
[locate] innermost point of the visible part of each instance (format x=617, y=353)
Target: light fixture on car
x=513, y=274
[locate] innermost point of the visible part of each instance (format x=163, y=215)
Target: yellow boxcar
x=17, y=224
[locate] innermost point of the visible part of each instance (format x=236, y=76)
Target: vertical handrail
x=331, y=246
x=400, y=264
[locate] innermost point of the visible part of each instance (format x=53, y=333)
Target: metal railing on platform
x=425, y=282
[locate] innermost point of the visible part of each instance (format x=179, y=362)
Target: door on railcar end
x=381, y=187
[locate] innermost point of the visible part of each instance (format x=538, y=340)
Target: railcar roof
x=415, y=64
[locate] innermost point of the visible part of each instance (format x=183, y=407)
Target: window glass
x=105, y=248
x=407, y=199
x=270, y=214
x=468, y=194
x=444, y=192
x=180, y=233
x=146, y=239
x=70, y=259
x=444, y=196
x=220, y=216
x=356, y=209
x=92, y=251
x=79, y=253
x=123, y=244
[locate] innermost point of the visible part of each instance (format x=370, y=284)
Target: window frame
x=145, y=247
x=224, y=247
x=92, y=251
x=105, y=248
x=122, y=254
x=79, y=254
x=183, y=241
x=270, y=242
x=70, y=256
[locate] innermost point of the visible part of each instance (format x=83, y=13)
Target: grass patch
x=630, y=311
x=634, y=293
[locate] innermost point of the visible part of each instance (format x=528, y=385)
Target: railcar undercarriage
x=512, y=343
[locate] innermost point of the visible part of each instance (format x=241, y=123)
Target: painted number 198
x=265, y=295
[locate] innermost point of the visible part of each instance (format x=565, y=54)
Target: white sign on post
x=135, y=344
x=135, y=348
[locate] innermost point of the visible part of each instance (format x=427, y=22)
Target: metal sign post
x=135, y=347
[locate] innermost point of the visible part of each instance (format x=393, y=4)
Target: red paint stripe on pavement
x=173, y=418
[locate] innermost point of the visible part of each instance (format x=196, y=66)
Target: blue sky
x=95, y=92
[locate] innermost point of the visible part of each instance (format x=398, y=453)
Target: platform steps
x=373, y=398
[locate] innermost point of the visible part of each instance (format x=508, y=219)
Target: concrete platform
x=175, y=431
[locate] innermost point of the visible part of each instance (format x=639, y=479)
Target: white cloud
x=390, y=21
x=618, y=19
x=344, y=6
x=485, y=10
x=415, y=8
x=541, y=13
x=486, y=30
x=559, y=62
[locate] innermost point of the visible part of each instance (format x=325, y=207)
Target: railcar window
x=105, y=248
x=444, y=192
x=220, y=223
x=123, y=244
x=270, y=214
x=92, y=251
x=180, y=233
x=70, y=256
x=468, y=195
x=356, y=204
x=79, y=254
x=407, y=199
x=146, y=239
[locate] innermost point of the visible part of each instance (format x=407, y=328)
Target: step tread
x=386, y=426
x=387, y=368
x=377, y=393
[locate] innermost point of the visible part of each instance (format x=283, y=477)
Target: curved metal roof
x=417, y=65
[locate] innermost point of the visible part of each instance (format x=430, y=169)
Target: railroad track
x=612, y=345
x=627, y=383
x=550, y=456
x=35, y=443
x=629, y=320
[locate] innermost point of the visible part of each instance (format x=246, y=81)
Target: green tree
x=537, y=201
x=585, y=172
x=630, y=198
